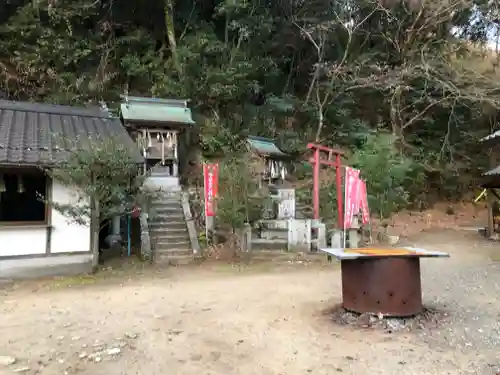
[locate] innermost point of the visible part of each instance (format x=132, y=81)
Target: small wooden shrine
x=271, y=159
x=157, y=125
x=272, y=169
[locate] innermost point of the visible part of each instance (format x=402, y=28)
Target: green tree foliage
x=107, y=178
x=387, y=173
x=105, y=172
x=318, y=70
x=239, y=199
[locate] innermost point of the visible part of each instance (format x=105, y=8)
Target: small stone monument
x=246, y=242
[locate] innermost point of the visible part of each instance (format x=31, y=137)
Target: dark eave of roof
x=42, y=134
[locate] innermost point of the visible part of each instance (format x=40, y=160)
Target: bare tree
x=343, y=20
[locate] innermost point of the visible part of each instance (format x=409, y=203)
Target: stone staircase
x=168, y=230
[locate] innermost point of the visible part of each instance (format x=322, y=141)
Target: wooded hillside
x=337, y=72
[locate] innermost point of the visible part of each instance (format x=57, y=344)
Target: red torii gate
x=316, y=162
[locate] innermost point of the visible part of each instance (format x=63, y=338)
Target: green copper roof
x=134, y=108
x=264, y=146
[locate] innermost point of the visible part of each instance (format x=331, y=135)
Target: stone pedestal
x=246, y=242
x=337, y=239
x=354, y=237
x=320, y=235
x=299, y=235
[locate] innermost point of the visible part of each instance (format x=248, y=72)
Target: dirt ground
x=256, y=320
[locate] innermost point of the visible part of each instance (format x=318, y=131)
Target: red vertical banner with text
x=211, y=179
x=352, y=201
x=365, y=211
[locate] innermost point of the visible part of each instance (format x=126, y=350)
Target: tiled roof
x=166, y=111
x=39, y=134
x=264, y=146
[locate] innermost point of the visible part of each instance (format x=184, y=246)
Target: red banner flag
x=364, y=202
x=210, y=175
x=352, y=201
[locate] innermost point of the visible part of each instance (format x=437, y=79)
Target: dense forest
x=422, y=73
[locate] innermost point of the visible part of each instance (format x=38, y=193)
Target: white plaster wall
x=22, y=241
x=67, y=236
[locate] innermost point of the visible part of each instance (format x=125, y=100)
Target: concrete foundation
x=45, y=266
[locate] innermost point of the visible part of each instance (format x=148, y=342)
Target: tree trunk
x=94, y=233
x=169, y=25
x=490, y=230
x=396, y=125
x=320, y=123
x=95, y=226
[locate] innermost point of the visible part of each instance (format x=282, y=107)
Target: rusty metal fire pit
x=382, y=281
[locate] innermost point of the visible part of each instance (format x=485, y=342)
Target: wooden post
x=316, y=162
x=94, y=233
x=316, y=183
x=490, y=198
x=340, y=193
x=95, y=226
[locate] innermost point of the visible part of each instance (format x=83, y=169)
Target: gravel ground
x=228, y=321
x=467, y=286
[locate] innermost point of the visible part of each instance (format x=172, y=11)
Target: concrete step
x=165, y=225
x=174, y=231
x=175, y=252
x=173, y=190
x=264, y=244
x=167, y=233
x=167, y=210
x=167, y=216
x=165, y=244
x=171, y=239
x=157, y=226
x=167, y=200
x=161, y=217
x=165, y=236
x=167, y=195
